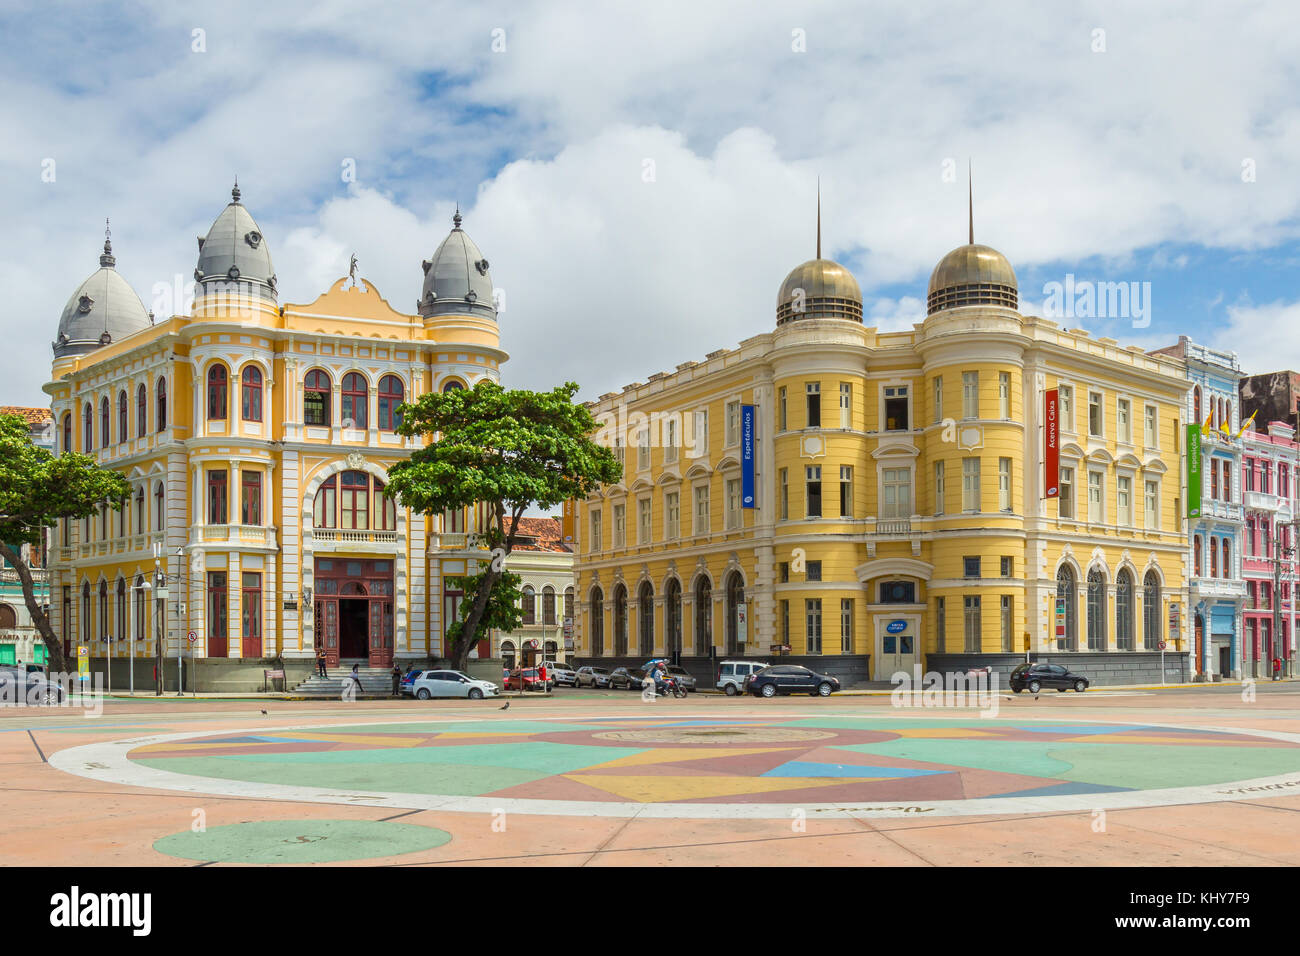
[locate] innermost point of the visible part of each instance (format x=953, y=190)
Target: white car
x=450, y=684
x=563, y=674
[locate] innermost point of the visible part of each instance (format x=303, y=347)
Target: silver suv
x=561, y=673
x=732, y=675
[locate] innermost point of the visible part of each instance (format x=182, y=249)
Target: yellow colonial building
x=257, y=438
x=899, y=514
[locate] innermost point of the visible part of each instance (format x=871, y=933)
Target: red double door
x=354, y=609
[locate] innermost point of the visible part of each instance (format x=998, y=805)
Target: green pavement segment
x=301, y=841
x=453, y=726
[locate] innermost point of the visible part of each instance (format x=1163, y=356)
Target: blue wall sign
x=896, y=627
x=747, y=456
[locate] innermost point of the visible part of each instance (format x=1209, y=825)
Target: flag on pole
x=1249, y=421
x=1205, y=425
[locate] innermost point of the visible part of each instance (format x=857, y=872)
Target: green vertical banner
x=1194, y=481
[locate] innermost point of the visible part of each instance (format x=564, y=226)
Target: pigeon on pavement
x=506, y=705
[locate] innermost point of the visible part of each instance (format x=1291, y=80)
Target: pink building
x=1270, y=466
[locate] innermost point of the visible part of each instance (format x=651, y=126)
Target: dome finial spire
x=970, y=199
x=455, y=220
x=234, y=193
x=107, y=259
x=819, y=217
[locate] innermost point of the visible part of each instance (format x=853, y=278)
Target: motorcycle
x=673, y=688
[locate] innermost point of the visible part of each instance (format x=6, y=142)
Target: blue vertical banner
x=747, y=456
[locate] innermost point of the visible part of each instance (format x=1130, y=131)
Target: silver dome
x=456, y=279
x=104, y=309
x=234, y=250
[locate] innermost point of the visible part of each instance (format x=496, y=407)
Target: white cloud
x=1265, y=337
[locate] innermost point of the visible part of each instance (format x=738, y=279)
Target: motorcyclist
x=660, y=676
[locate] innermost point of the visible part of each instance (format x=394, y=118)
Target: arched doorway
x=1067, y=616
x=597, y=623
x=353, y=609
x=645, y=628
x=1200, y=645
x=1096, y=611
x=673, y=620
x=620, y=621
x=508, y=654
x=735, y=601
x=703, y=617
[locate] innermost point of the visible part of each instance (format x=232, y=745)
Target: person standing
x=356, y=678
x=320, y=662
x=397, y=678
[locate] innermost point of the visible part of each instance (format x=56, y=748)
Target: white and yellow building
x=257, y=438
x=899, y=514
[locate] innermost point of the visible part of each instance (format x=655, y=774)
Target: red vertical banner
x=1051, y=446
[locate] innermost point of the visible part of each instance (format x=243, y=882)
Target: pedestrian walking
x=397, y=677
x=356, y=677
x=320, y=663
x=1277, y=668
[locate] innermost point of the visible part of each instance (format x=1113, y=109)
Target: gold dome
x=829, y=291
x=972, y=275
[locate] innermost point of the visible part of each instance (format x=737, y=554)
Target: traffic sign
x=192, y=637
x=1162, y=645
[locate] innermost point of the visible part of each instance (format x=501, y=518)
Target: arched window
x=160, y=501
x=508, y=654
x=122, y=633
x=141, y=411
x=673, y=619
x=620, y=621
x=356, y=400
x=1150, y=611
x=316, y=398
x=645, y=625
x=67, y=431
x=343, y=500
x=1096, y=611
x=140, y=634
x=89, y=421
x=250, y=394
x=139, y=509
x=121, y=416
x=703, y=617
x=8, y=617
x=1196, y=404
x=529, y=601
x=568, y=602
x=104, y=423
x=1227, y=559
x=548, y=605
x=1196, y=555
x=103, y=608
x=391, y=394
x=1124, y=610
x=162, y=403
x=452, y=386
x=85, y=612
x=597, y=623
x=217, y=381
x=1214, y=560
x=1067, y=601
x=735, y=599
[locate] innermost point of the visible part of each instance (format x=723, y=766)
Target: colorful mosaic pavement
x=792, y=761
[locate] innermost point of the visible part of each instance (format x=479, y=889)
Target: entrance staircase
x=375, y=682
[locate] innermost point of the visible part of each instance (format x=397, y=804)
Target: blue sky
x=1107, y=142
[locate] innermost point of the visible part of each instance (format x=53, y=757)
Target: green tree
x=502, y=613
x=36, y=489
x=508, y=450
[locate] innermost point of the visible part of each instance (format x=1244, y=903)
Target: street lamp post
x=1279, y=552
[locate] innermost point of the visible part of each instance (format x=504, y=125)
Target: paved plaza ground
x=1124, y=778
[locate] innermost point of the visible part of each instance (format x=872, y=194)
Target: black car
x=628, y=678
x=25, y=685
x=1036, y=677
x=790, y=679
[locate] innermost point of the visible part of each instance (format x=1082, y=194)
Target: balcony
x=354, y=537
x=1219, y=587
x=1224, y=510
x=454, y=541
x=237, y=535
x=39, y=576
x=893, y=529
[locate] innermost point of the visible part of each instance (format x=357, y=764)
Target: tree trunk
x=469, y=631
x=52, y=644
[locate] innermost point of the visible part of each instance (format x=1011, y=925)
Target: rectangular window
x=780, y=409
x=1004, y=484
x=1096, y=497
x=643, y=521
x=217, y=496
x=671, y=441
x=1124, y=500
x=1007, y=646
x=673, y=515
x=1149, y=429
x=1094, y=414
x=785, y=572
x=813, y=392
x=733, y=504
x=643, y=449
x=846, y=405
x=896, y=417
x=217, y=608
x=813, y=625
x=785, y=494
x=813, y=491
x=972, y=624
x=702, y=509
x=896, y=492
x=250, y=498
x=971, y=567
x=733, y=423
x=1006, y=566
x=1123, y=421
x=1004, y=394
x=1065, y=406
x=970, y=394
x=940, y=625
x=619, y=515
x=938, y=487
x=938, y=399
x=970, y=484
x=595, y=530
x=846, y=491
x=1065, y=503
x=846, y=625
x=813, y=571
x=252, y=615
x=315, y=407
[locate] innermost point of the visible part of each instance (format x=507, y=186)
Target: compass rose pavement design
x=754, y=767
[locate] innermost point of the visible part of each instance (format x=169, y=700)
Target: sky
x=641, y=177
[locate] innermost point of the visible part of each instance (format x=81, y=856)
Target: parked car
x=732, y=675
x=564, y=674
x=450, y=684
x=1035, y=677
x=592, y=677
x=626, y=678
x=790, y=679
x=682, y=676
x=19, y=685
x=528, y=678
